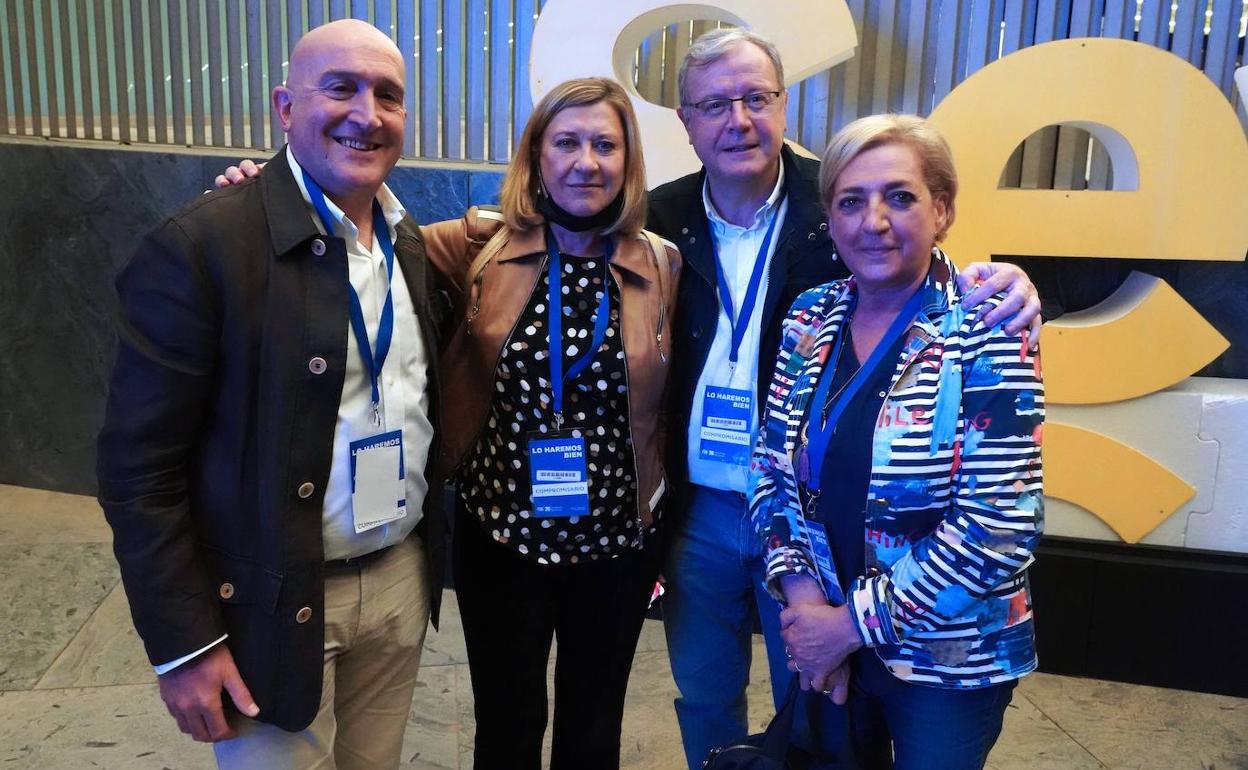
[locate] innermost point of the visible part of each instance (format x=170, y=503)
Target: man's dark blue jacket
x=219, y=432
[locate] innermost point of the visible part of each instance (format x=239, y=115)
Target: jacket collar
x=804, y=212
x=290, y=220
x=768, y=209
x=528, y=243
x=289, y=213
x=940, y=292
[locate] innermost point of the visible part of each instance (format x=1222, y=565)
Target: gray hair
x=711, y=46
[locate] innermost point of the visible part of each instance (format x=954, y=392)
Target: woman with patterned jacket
x=900, y=459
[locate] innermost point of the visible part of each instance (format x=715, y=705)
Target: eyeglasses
x=757, y=103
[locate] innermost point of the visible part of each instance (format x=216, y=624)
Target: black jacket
x=803, y=258
x=216, y=418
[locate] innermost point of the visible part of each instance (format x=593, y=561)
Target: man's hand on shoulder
x=192, y=693
x=1020, y=309
x=246, y=169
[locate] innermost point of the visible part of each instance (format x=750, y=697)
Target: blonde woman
x=554, y=415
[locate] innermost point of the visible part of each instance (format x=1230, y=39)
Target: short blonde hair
x=935, y=157
x=518, y=198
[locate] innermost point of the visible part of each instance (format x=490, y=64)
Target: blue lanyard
x=818, y=436
x=554, y=312
x=373, y=360
x=739, y=325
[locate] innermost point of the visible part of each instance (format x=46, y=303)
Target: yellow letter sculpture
x=1180, y=163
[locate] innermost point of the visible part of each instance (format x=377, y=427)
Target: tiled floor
x=76, y=690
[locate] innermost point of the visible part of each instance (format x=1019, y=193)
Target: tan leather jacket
x=488, y=304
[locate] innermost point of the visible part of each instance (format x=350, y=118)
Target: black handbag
x=771, y=749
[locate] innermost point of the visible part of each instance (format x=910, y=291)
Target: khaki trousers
x=375, y=620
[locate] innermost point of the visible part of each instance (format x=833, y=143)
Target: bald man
x=263, y=458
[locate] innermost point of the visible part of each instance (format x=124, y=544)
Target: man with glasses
x=753, y=235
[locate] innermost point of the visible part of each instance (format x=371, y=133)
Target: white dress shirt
x=737, y=249
x=403, y=385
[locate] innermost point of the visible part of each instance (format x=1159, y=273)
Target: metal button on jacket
x=226, y=591
x=303, y=615
x=306, y=489
x=318, y=247
x=317, y=365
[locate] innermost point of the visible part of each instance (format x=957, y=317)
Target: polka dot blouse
x=494, y=480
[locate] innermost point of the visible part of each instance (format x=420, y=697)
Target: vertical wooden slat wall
x=500, y=83
x=429, y=79
x=1189, y=31
x=316, y=13
x=913, y=82
x=845, y=79
x=177, y=76
x=1223, y=41
x=477, y=54
x=216, y=73
x=31, y=77
x=91, y=71
x=17, y=60
x=122, y=78
x=454, y=39
x=649, y=65
x=146, y=70
x=676, y=44
x=525, y=15
x=195, y=70
x=137, y=42
x=276, y=53
x=156, y=38
x=234, y=73
x=257, y=105
x=67, y=73
x=405, y=29
x=7, y=58
x=48, y=43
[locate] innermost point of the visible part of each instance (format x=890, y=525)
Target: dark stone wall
x=70, y=217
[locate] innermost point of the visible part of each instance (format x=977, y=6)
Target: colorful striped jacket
x=954, y=507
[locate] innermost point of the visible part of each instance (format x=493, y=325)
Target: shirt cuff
x=868, y=607
x=165, y=668
x=785, y=561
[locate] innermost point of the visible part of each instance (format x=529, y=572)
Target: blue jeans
x=714, y=586
x=894, y=724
